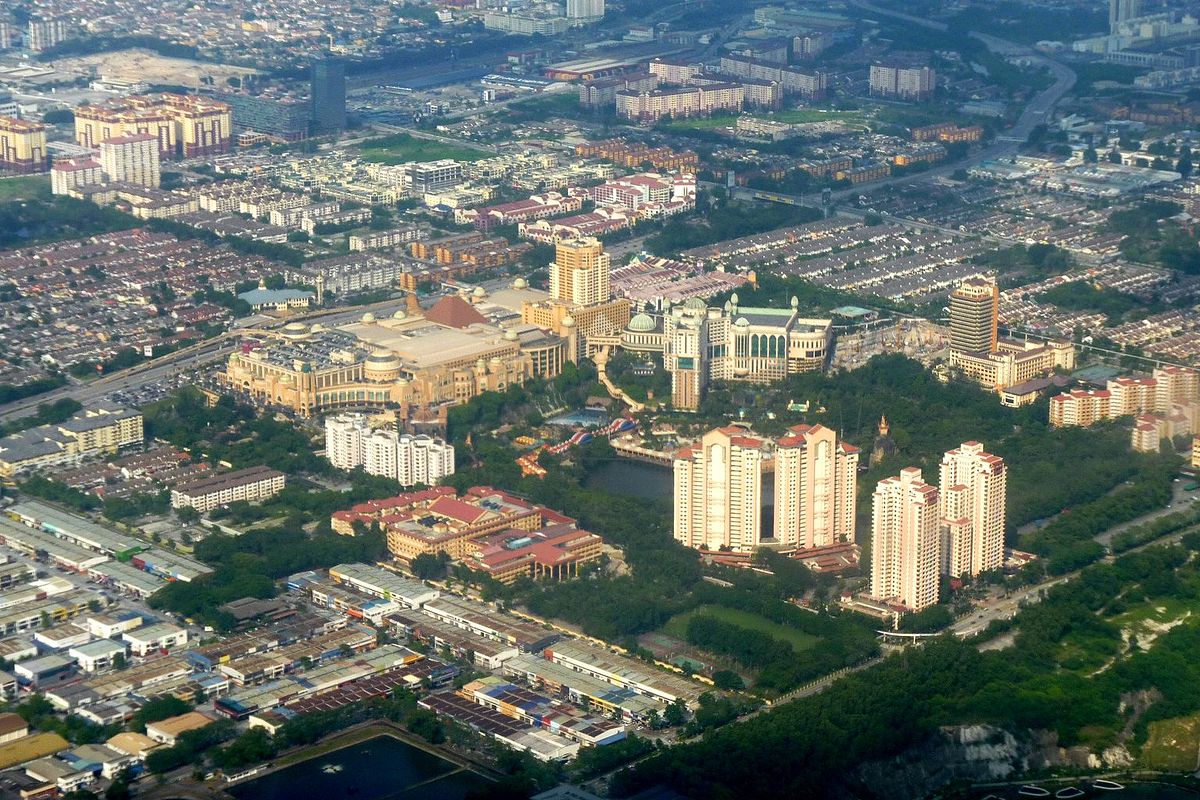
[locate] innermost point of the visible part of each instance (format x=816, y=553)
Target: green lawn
x=25, y=187
x=402, y=148
x=1172, y=744
x=677, y=625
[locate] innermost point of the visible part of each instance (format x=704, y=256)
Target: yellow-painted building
x=22, y=146
x=185, y=125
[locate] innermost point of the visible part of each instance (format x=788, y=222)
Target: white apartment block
x=816, y=480
x=972, y=500
x=205, y=494
x=134, y=159
x=1168, y=390
x=70, y=174
x=905, y=556
x=351, y=442
x=718, y=491
x=685, y=101
x=905, y=83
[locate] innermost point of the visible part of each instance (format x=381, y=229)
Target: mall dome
x=641, y=323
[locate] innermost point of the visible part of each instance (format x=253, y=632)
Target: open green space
x=401, y=148
x=1172, y=744
x=26, y=187
x=677, y=625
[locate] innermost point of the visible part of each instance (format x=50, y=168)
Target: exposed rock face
x=976, y=753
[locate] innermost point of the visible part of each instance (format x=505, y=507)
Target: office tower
x=585, y=10
x=1121, y=10
x=22, y=146
x=718, y=491
x=131, y=159
x=7, y=34
x=972, y=497
x=580, y=272
x=328, y=86
x=974, y=314
x=816, y=478
x=42, y=34
x=905, y=545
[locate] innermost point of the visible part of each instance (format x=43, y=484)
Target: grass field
x=402, y=148
x=25, y=187
x=1172, y=744
x=677, y=625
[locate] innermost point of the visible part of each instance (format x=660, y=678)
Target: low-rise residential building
x=250, y=484
x=95, y=430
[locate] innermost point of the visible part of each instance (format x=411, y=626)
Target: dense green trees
x=733, y=220
x=10, y=393
x=32, y=221
x=1067, y=672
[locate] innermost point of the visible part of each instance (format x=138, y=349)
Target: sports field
x=677, y=625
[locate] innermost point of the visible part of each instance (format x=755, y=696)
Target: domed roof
x=795, y=301
x=742, y=322
x=495, y=361
x=728, y=306
x=400, y=314
x=511, y=335
x=641, y=323
x=402, y=381
x=479, y=292
x=383, y=358
x=480, y=364
x=695, y=303
x=520, y=283
x=568, y=321
x=295, y=327
x=733, y=298
x=317, y=327
x=368, y=318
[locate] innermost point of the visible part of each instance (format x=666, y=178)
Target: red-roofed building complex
x=491, y=530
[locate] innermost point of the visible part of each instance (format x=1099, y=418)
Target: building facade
x=328, y=87
x=972, y=499
x=700, y=344
x=816, y=483
x=184, y=125
x=977, y=352
x=903, y=83
x=351, y=442
x=718, y=491
x=905, y=552
x=132, y=159
x=22, y=146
